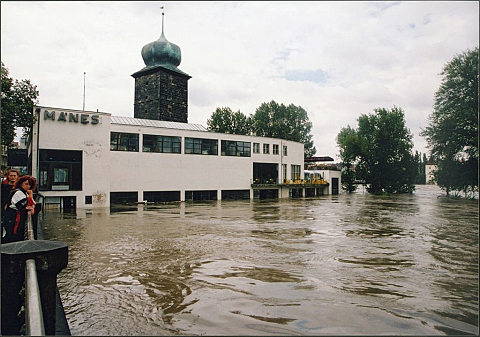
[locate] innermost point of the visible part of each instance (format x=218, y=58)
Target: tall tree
x=348, y=177
x=286, y=122
x=18, y=99
x=452, y=131
x=224, y=120
x=381, y=148
x=348, y=152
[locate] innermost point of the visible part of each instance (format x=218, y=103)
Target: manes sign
x=71, y=117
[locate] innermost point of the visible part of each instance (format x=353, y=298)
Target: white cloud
x=241, y=54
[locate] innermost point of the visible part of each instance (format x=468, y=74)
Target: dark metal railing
x=30, y=302
x=33, y=305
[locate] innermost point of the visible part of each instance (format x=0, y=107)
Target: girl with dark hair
x=20, y=202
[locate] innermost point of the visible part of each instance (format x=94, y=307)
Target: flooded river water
x=339, y=265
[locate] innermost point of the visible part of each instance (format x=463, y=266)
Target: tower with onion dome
x=161, y=89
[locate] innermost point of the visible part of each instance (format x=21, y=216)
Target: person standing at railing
x=19, y=203
x=7, y=186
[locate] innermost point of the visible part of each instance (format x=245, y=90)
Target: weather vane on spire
x=163, y=14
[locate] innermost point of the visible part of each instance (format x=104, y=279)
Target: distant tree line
x=378, y=153
x=288, y=122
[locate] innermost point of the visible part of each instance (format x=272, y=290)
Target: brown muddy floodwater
x=332, y=265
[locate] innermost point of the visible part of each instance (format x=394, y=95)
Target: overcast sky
x=337, y=60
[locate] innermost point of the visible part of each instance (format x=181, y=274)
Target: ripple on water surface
x=347, y=264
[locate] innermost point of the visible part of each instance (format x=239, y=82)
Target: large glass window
x=201, y=146
x=236, y=149
x=123, y=197
x=161, y=144
x=265, y=173
x=124, y=141
x=200, y=195
x=161, y=196
x=296, y=170
x=60, y=170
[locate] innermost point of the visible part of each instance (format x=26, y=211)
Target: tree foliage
x=452, y=131
x=420, y=167
x=348, y=152
x=270, y=120
x=348, y=177
x=381, y=149
x=286, y=122
x=224, y=120
x=18, y=99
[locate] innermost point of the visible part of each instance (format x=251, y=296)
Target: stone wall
x=162, y=95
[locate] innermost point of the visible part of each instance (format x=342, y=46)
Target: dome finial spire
x=163, y=15
x=161, y=52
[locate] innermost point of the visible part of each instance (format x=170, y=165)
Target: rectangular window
x=256, y=147
x=161, y=144
x=124, y=141
x=161, y=196
x=284, y=172
x=284, y=150
x=236, y=149
x=201, y=146
x=296, y=170
x=266, y=148
x=88, y=200
x=200, y=195
x=235, y=194
x=123, y=197
x=60, y=170
x=275, y=148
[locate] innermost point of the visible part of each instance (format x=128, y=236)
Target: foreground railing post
x=33, y=305
x=50, y=258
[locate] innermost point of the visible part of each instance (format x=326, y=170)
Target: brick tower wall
x=162, y=95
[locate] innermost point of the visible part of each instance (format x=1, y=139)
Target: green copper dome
x=161, y=53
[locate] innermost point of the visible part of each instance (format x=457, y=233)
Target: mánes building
x=94, y=159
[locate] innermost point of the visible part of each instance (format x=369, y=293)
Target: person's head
x=12, y=176
x=26, y=183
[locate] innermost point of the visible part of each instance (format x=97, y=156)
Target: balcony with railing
x=297, y=183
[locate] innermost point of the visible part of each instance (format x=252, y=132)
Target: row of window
x=169, y=196
x=168, y=144
x=266, y=148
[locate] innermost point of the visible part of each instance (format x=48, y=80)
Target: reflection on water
x=347, y=264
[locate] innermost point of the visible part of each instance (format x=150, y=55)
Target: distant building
x=3, y=158
x=430, y=168
x=315, y=169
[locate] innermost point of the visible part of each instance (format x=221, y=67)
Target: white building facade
x=332, y=177
x=429, y=173
x=92, y=159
